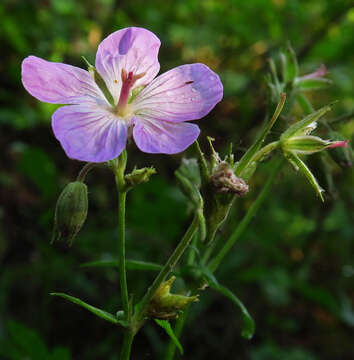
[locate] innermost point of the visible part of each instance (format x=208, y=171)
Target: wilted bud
x=139, y=176
x=165, y=305
x=225, y=181
x=70, y=211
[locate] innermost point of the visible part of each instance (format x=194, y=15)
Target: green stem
x=165, y=271
x=122, y=268
x=180, y=322
x=214, y=263
x=264, y=151
x=127, y=345
x=119, y=169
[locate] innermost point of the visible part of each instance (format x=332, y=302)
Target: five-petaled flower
x=153, y=110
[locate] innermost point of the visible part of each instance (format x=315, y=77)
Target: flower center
x=128, y=81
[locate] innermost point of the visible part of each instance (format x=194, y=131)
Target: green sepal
x=312, y=84
x=306, y=144
x=165, y=305
x=129, y=264
x=188, y=177
x=94, y=310
x=139, y=176
x=289, y=65
x=168, y=328
x=99, y=81
x=248, y=325
x=301, y=127
x=246, y=159
x=135, y=93
x=300, y=165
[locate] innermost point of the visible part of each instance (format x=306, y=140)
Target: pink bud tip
x=336, y=144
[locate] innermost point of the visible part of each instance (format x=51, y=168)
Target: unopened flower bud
x=165, y=305
x=225, y=181
x=309, y=144
x=70, y=211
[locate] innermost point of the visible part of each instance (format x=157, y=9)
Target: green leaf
x=130, y=264
x=247, y=157
x=298, y=127
x=27, y=341
x=167, y=327
x=300, y=165
x=313, y=84
x=248, y=326
x=98, y=312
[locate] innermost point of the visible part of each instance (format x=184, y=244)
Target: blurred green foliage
x=294, y=266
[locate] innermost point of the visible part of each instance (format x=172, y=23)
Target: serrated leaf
x=167, y=327
x=94, y=310
x=297, y=128
x=300, y=165
x=129, y=264
x=248, y=325
x=313, y=84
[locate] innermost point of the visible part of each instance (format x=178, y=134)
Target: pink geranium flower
x=93, y=129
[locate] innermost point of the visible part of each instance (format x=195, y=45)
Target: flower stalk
x=140, y=315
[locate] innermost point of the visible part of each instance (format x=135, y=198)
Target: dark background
x=293, y=268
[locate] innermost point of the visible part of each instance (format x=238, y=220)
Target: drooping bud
x=225, y=181
x=70, y=211
x=165, y=305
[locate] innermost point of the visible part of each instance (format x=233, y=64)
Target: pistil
x=128, y=80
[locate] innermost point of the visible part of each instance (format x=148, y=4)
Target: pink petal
x=187, y=92
x=132, y=49
x=164, y=137
x=320, y=72
x=336, y=144
x=59, y=83
x=89, y=133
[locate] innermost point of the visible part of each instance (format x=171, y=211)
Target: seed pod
x=70, y=211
